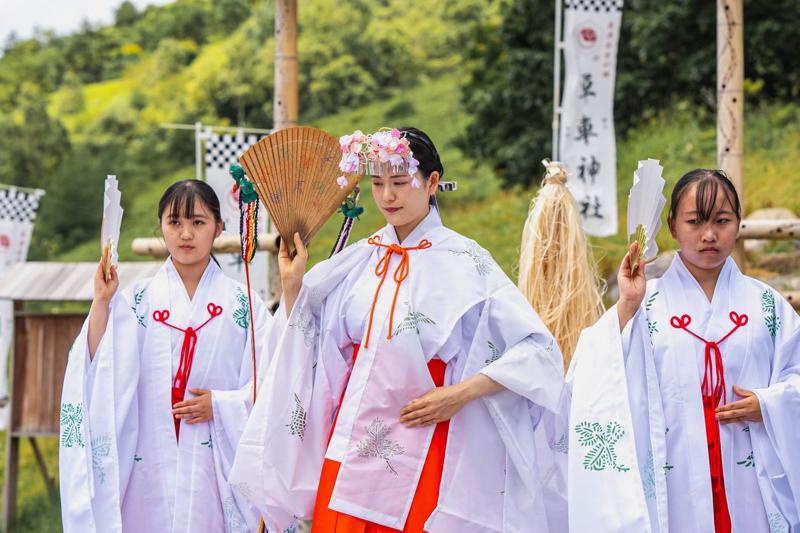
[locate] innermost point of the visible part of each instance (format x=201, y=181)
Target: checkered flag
x=223, y=151
x=597, y=6
x=18, y=205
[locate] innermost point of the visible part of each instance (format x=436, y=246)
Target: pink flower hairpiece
x=364, y=153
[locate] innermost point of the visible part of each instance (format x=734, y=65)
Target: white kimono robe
x=121, y=468
x=504, y=468
x=638, y=453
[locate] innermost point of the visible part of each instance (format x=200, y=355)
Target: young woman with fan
x=413, y=388
x=702, y=367
x=158, y=388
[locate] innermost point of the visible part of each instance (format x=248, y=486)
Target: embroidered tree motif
x=602, y=441
x=747, y=461
x=304, y=323
x=72, y=425
x=777, y=524
x=234, y=522
x=561, y=445
x=495, y=353
x=482, y=259
x=772, y=321
x=209, y=444
x=650, y=301
x=649, y=477
x=377, y=444
x=241, y=315
x=297, y=424
x=412, y=322
x=101, y=447
x=137, y=300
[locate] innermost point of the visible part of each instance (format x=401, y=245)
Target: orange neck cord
x=400, y=274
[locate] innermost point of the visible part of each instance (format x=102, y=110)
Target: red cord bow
x=181, y=379
x=713, y=390
x=400, y=275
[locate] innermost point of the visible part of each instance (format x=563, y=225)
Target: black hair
x=708, y=186
x=424, y=151
x=180, y=197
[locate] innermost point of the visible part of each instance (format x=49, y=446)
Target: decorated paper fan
x=645, y=203
x=112, y=220
x=295, y=172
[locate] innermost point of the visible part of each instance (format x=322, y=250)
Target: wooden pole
x=730, y=98
x=284, y=102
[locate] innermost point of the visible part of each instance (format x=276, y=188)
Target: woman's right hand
x=632, y=286
x=104, y=289
x=292, y=271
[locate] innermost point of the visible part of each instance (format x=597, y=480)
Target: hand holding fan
x=112, y=220
x=645, y=203
x=295, y=173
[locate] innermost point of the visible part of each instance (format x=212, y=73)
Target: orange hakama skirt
x=425, y=498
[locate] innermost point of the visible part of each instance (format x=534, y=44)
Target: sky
x=63, y=16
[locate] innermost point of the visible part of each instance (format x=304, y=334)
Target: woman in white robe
x=158, y=388
x=413, y=387
x=685, y=408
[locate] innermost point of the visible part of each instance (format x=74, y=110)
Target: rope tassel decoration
x=248, y=231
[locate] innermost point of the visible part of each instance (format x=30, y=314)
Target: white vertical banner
x=222, y=151
x=17, y=214
x=587, y=143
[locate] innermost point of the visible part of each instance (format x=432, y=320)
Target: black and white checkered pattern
x=223, y=151
x=594, y=5
x=19, y=206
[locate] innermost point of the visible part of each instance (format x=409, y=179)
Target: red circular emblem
x=587, y=37
x=5, y=242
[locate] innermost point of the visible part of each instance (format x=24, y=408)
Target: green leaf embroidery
x=412, y=322
x=242, y=313
x=495, y=353
x=137, y=300
x=602, y=453
x=777, y=523
x=649, y=477
x=482, y=259
x=234, y=522
x=771, y=319
x=650, y=301
x=747, y=461
x=297, y=424
x=101, y=447
x=72, y=425
x=652, y=327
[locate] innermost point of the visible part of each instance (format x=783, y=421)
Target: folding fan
x=645, y=203
x=295, y=172
x=112, y=220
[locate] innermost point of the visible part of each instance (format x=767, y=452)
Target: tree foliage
x=667, y=53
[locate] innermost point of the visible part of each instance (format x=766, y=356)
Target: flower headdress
x=376, y=153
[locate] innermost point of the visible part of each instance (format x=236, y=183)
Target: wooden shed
x=39, y=354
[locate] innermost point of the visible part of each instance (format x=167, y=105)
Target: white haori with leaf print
x=648, y=367
x=455, y=305
x=120, y=466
